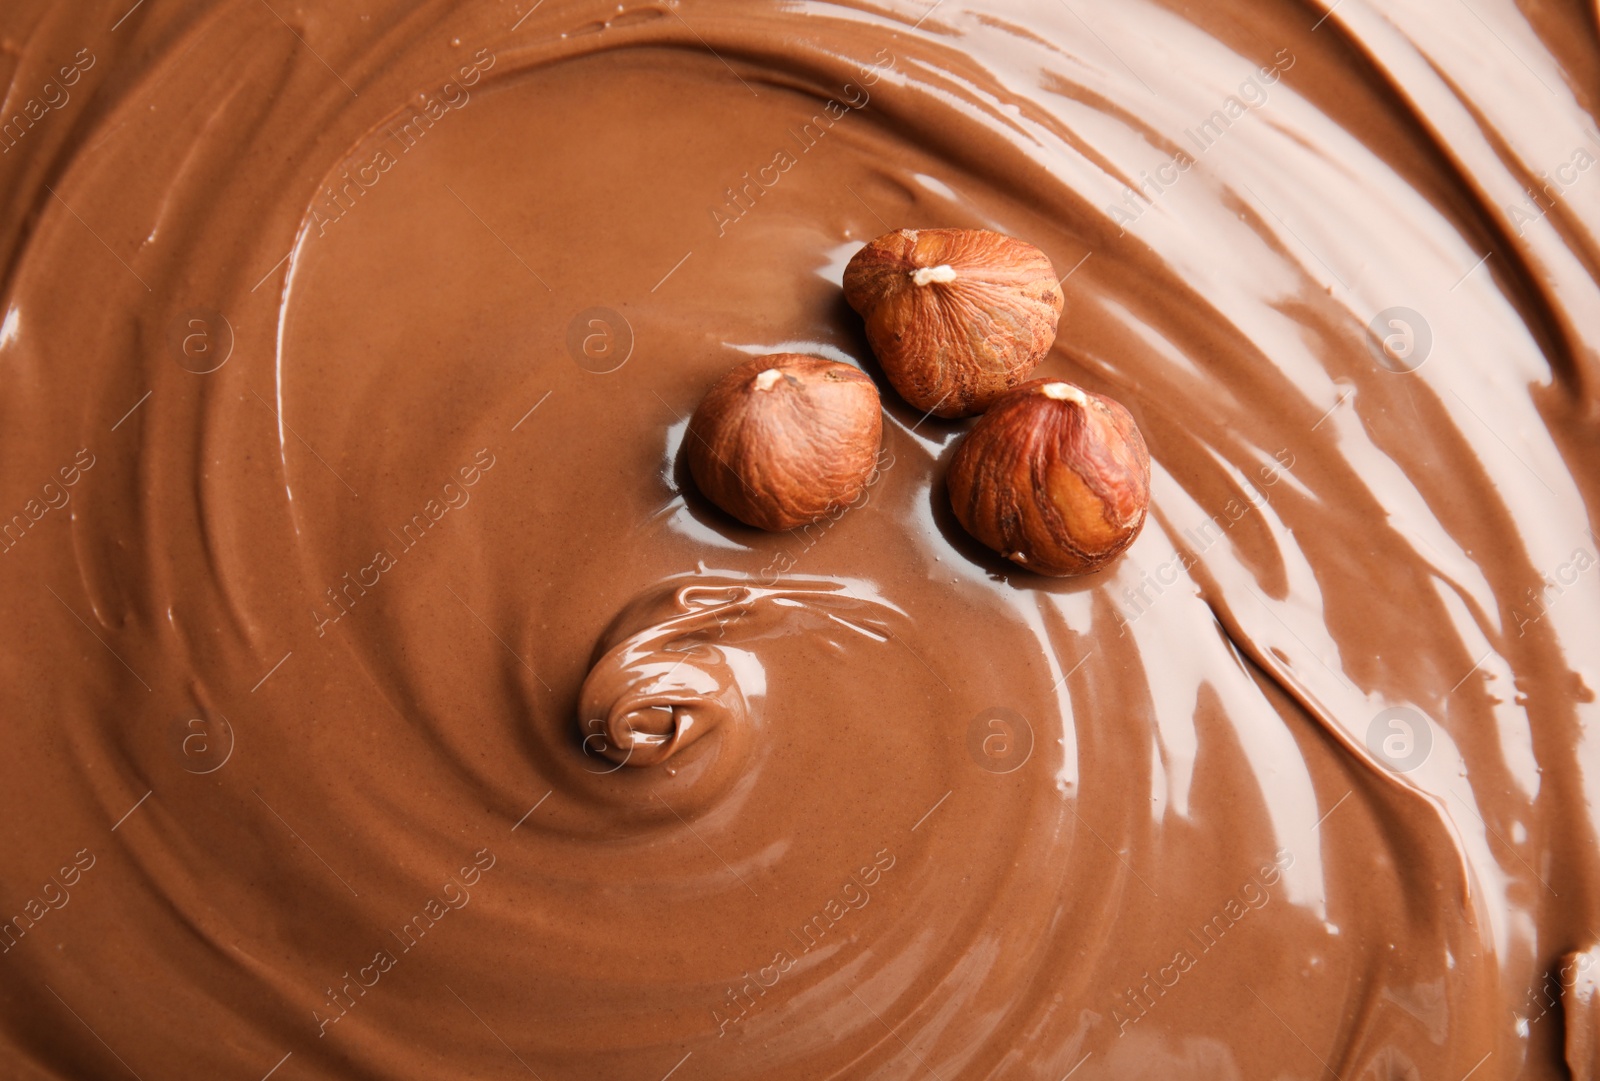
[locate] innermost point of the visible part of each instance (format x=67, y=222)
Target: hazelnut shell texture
x=781, y=440
x=956, y=316
x=1053, y=477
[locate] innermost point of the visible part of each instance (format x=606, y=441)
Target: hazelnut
x=782, y=440
x=956, y=316
x=1053, y=477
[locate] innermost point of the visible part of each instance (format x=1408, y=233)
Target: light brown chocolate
x=347, y=353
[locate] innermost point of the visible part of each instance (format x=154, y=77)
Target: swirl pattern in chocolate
x=347, y=355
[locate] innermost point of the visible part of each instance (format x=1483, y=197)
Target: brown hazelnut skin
x=781, y=440
x=956, y=316
x=1053, y=477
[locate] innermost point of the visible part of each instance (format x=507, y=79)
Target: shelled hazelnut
x=1053, y=477
x=782, y=440
x=956, y=316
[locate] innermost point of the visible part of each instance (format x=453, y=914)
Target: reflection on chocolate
x=310, y=424
x=677, y=665
x=1579, y=988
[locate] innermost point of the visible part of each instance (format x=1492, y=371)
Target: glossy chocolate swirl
x=347, y=354
x=679, y=664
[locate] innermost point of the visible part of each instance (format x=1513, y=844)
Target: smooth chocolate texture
x=347, y=356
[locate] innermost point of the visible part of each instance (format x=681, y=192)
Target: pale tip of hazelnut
x=768, y=379
x=1064, y=392
x=927, y=275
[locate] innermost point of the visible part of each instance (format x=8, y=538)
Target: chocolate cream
x=382, y=701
